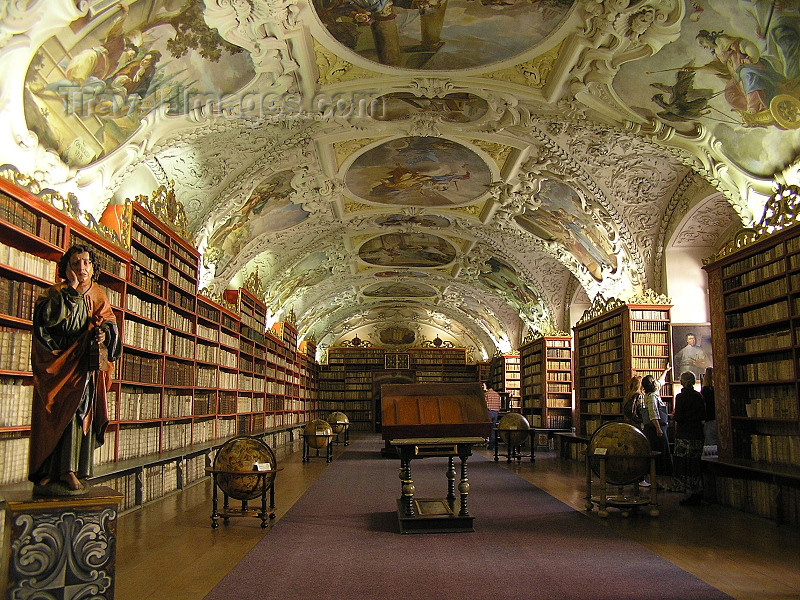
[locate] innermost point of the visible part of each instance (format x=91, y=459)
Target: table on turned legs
x=435, y=515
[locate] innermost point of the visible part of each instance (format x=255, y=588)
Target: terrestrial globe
x=513, y=429
x=239, y=454
x=627, y=451
x=318, y=433
x=338, y=421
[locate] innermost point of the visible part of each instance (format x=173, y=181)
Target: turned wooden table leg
x=463, y=488
x=451, y=481
x=214, y=512
x=407, y=488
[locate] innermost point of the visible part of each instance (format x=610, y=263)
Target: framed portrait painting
x=691, y=349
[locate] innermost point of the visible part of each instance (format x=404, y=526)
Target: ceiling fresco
x=419, y=171
x=85, y=96
x=468, y=170
x=407, y=250
x=439, y=34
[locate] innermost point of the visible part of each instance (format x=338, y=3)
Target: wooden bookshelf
x=613, y=342
x=504, y=376
x=546, y=382
x=346, y=381
x=440, y=365
x=193, y=371
x=754, y=293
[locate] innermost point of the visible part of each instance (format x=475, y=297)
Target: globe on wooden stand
x=340, y=424
x=513, y=429
x=620, y=455
x=244, y=469
x=317, y=434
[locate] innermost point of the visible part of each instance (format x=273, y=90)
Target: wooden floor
x=168, y=551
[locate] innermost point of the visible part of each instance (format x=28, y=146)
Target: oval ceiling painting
x=440, y=34
x=407, y=250
x=419, y=171
x=85, y=99
x=421, y=220
x=399, y=290
x=561, y=218
x=417, y=274
x=397, y=336
x=453, y=108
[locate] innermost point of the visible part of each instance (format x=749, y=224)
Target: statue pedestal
x=60, y=547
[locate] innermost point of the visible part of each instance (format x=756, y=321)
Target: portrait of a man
x=691, y=349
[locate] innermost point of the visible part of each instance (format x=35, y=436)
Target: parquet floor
x=168, y=551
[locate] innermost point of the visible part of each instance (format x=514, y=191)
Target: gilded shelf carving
x=253, y=285
x=780, y=212
x=69, y=206
x=650, y=297
x=334, y=69
x=166, y=208
x=532, y=73
x=600, y=306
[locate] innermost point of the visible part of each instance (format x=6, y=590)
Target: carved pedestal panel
x=60, y=547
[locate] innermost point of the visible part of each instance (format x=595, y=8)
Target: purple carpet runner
x=341, y=540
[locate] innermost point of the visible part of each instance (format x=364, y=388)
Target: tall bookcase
x=614, y=341
x=504, y=376
x=546, y=381
x=754, y=289
x=193, y=371
x=346, y=381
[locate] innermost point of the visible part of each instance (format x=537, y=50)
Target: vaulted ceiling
x=406, y=169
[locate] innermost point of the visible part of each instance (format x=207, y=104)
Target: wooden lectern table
x=434, y=420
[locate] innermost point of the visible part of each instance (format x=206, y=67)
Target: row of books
x=178, y=373
x=16, y=402
x=147, y=281
x=775, y=370
x=754, y=276
x=601, y=369
x=763, y=498
x=611, y=323
x=148, y=242
x=183, y=282
x=611, y=391
x=649, y=325
x=602, y=381
x=179, y=346
x=144, y=308
x=138, y=404
x=758, y=316
x=14, y=458
x=767, y=291
x=771, y=408
x=781, y=449
x=105, y=453
x=151, y=263
x=608, y=345
x=18, y=215
x=17, y=298
x=648, y=364
x=141, y=335
x=176, y=435
x=648, y=338
x=604, y=407
x=745, y=264
x=27, y=263
x=15, y=349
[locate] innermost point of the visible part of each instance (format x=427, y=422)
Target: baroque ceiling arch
x=488, y=186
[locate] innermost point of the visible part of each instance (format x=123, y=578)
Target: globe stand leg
x=214, y=512
x=653, y=488
x=602, y=509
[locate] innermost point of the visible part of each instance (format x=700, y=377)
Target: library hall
x=366, y=299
